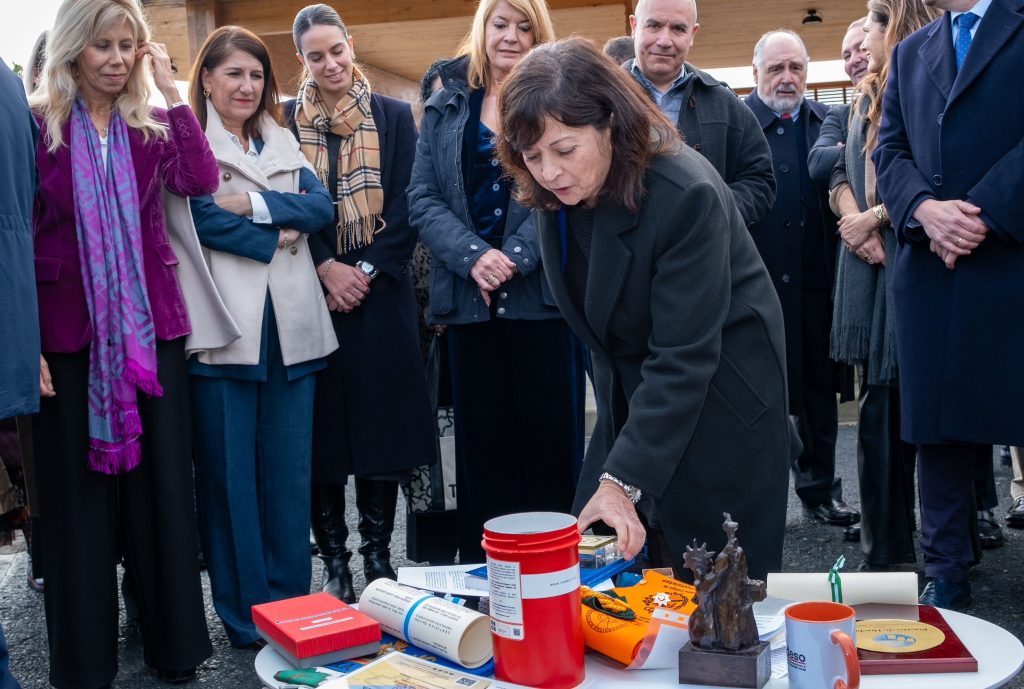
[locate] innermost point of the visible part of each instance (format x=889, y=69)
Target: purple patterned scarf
x=122, y=355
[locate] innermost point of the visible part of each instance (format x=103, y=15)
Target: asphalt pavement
x=810, y=546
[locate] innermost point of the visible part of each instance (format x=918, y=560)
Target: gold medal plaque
x=897, y=636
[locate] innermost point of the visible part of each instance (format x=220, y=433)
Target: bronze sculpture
x=724, y=648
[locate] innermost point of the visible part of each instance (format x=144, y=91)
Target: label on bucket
x=551, y=584
x=506, y=592
x=508, y=631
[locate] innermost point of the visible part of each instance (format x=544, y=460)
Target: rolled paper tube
x=452, y=631
x=891, y=588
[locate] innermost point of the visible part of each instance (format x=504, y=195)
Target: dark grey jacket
x=715, y=122
x=689, y=362
x=438, y=208
x=823, y=156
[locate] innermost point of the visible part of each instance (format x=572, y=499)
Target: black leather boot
x=330, y=533
x=376, y=501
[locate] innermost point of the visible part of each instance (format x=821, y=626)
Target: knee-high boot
x=330, y=533
x=376, y=503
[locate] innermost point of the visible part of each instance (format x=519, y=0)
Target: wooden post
x=203, y=17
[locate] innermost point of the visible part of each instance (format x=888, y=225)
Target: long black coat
x=689, y=363
x=371, y=414
x=19, y=336
x=959, y=136
x=779, y=235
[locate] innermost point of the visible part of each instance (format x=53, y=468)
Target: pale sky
x=24, y=20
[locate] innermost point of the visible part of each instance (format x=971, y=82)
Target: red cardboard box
x=308, y=628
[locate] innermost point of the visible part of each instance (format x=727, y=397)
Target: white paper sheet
x=448, y=579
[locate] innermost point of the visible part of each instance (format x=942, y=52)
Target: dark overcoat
x=371, y=413
x=19, y=336
x=779, y=235
x=946, y=136
x=689, y=363
x=714, y=121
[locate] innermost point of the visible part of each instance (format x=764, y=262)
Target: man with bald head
x=708, y=115
x=797, y=241
x=826, y=151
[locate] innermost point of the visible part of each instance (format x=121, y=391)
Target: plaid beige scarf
x=359, y=193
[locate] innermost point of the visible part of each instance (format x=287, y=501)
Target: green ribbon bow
x=835, y=581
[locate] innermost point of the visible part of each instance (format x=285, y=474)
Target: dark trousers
x=985, y=482
x=92, y=520
x=253, y=459
x=885, y=469
x=814, y=471
x=515, y=422
x=948, y=507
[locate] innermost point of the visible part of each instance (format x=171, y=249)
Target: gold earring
x=206, y=92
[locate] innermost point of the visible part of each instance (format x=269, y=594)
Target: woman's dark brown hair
x=218, y=47
x=574, y=83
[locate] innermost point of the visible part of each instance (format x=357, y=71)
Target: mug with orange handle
x=820, y=646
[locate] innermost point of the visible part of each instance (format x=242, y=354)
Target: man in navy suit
x=950, y=161
x=797, y=241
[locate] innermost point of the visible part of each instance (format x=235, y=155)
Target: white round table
x=1000, y=657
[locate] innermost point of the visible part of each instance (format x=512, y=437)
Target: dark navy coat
x=375, y=378
x=439, y=209
x=19, y=334
x=959, y=136
x=780, y=234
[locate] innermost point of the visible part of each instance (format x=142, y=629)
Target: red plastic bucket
x=533, y=574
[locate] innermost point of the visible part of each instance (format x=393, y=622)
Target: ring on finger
x=959, y=241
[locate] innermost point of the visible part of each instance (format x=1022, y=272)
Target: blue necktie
x=963, y=37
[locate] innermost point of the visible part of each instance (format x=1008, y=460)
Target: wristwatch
x=632, y=492
x=367, y=269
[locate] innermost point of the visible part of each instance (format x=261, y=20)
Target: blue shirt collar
x=978, y=10
x=684, y=75
x=795, y=114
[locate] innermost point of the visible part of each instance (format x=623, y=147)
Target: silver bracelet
x=321, y=271
x=632, y=492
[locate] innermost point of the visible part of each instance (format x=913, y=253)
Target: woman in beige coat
x=253, y=398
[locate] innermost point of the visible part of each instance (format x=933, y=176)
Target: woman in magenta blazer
x=112, y=437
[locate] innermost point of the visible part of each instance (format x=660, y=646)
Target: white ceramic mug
x=820, y=646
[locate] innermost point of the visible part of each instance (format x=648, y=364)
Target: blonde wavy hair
x=78, y=23
x=475, y=44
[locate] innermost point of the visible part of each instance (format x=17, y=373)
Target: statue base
x=750, y=669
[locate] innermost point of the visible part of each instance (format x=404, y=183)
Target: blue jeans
x=253, y=461
x=7, y=680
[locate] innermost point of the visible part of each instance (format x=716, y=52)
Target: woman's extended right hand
x=45, y=380
x=610, y=505
x=347, y=287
